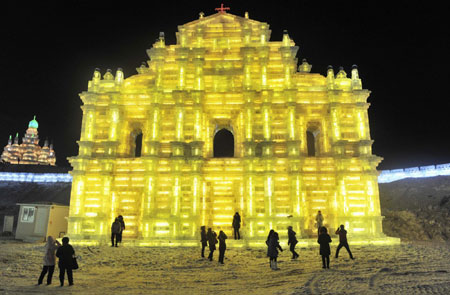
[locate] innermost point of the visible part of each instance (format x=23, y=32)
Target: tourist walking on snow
x=49, y=260
x=122, y=228
x=292, y=241
x=115, y=232
x=212, y=241
x=272, y=248
x=324, y=240
x=203, y=240
x=319, y=221
x=343, y=241
x=236, y=225
x=65, y=253
x=222, y=246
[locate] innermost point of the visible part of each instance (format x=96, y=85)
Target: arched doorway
x=138, y=145
x=223, y=144
x=311, y=143
x=135, y=147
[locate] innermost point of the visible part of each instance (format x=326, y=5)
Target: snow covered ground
x=405, y=269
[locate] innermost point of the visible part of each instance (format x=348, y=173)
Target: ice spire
x=356, y=81
x=330, y=77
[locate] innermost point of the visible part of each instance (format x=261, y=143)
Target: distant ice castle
x=29, y=151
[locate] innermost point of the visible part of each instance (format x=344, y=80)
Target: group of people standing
x=210, y=239
x=324, y=240
x=66, y=255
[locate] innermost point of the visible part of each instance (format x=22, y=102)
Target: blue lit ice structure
x=35, y=177
x=387, y=176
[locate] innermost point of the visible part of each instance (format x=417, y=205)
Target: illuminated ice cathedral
x=147, y=148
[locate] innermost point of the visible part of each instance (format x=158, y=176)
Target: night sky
x=49, y=51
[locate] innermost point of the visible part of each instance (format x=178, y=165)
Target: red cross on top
x=222, y=9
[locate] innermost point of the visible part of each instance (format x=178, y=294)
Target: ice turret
x=356, y=82
x=33, y=123
x=305, y=67
x=97, y=75
x=108, y=75
x=119, y=75
x=162, y=40
x=341, y=74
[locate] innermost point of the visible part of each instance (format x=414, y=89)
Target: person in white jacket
x=49, y=260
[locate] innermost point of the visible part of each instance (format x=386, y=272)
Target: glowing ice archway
x=223, y=143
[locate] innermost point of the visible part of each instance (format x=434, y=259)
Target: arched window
x=311, y=143
x=223, y=144
x=138, y=144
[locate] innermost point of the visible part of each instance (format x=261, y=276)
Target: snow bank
x=417, y=209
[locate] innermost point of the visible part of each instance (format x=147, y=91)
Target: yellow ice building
x=148, y=147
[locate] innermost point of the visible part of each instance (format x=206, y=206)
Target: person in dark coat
x=212, y=241
x=222, y=246
x=292, y=241
x=65, y=253
x=237, y=226
x=343, y=241
x=272, y=249
x=267, y=242
x=268, y=236
x=122, y=223
x=115, y=232
x=324, y=240
x=204, y=239
x=49, y=260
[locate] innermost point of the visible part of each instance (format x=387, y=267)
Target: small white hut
x=37, y=221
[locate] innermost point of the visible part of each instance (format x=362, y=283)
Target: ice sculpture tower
x=301, y=142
